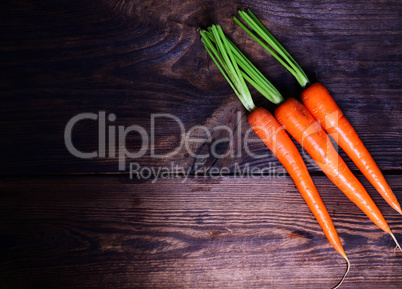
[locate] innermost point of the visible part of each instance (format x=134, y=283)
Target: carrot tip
x=344, y=275
x=396, y=242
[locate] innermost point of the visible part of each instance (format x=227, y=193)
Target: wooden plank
x=230, y=232
x=138, y=58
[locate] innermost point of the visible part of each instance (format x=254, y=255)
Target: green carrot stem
x=236, y=68
x=216, y=44
x=277, y=51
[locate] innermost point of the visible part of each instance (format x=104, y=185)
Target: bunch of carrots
x=309, y=122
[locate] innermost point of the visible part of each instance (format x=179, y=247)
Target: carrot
x=236, y=67
x=320, y=103
x=315, y=139
x=323, y=107
x=269, y=130
x=307, y=131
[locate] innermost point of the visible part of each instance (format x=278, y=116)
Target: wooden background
x=67, y=222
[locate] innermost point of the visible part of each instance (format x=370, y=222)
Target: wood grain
x=175, y=233
x=138, y=58
x=67, y=222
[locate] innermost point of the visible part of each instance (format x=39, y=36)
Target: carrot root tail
x=344, y=275
x=396, y=242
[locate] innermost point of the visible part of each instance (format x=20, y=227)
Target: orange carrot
x=307, y=131
x=320, y=103
x=323, y=107
x=278, y=141
x=236, y=67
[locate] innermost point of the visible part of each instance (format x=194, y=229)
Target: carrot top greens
x=236, y=68
x=264, y=35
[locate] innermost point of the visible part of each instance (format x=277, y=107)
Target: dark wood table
x=155, y=215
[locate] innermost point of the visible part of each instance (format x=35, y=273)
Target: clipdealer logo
x=112, y=143
x=114, y=137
